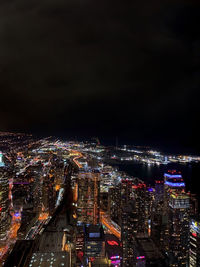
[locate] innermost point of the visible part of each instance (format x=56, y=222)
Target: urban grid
x=66, y=203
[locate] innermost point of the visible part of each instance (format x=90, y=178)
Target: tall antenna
x=116, y=142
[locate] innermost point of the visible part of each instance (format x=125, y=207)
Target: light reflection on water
x=150, y=173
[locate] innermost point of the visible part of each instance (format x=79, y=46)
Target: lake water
x=150, y=173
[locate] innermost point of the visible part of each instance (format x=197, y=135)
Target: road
x=112, y=226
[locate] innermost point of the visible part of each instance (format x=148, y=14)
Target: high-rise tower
x=178, y=220
x=173, y=184
x=194, y=246
x=88, y=206
x=4, y=201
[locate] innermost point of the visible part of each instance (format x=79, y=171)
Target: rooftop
x=53, y=259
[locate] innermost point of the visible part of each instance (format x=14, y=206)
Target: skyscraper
x=128, y=223
x=94, y=241
x=178, y=220
x=4, y=201
x=194, y=246
x=159, y=191
x=127, y=234
x=88, y=206
x=173, y=183
x=115, y=203
x=48, y=194
x=136, y=205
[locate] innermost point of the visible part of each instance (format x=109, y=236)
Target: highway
x=11, y=236
x=112, y=226
x=76, y=162
x=37, y=227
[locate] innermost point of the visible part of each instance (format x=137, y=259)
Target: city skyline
x=74, y=204
x=99, y=133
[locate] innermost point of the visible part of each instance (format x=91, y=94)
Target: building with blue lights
x=172, y=180
x=173, y=184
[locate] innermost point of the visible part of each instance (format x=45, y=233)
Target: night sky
x=81, y=68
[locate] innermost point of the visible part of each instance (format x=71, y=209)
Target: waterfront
x=150, y=173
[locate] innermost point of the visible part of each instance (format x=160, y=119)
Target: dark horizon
x=104, y=69
x=168, y=148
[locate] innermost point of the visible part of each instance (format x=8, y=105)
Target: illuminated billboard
x=1, y=160
x=94, y=235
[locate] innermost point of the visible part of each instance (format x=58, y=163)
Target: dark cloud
x=101, y=67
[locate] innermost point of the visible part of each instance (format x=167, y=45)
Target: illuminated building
x=48, y=194
x=159, y=190
x=88, y=205
x=157, y=213
x=148, y=254
x=36, y=187
x=4, y=201
x=143, y=204
x=149, y=208
x=178, y=220
x=80, y=244
x=128, y=223
x=127, y=234
x=113, y=250
x=136, y=205
x=194, y=246
x=94, y=242
x=2, y=164
x=173, y=183
x=115, y=203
